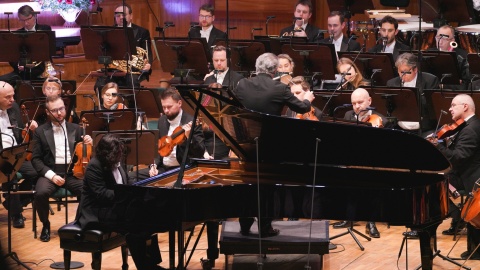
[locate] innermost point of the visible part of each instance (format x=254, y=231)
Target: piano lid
x=284, y=140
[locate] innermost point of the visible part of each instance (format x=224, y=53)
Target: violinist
x=353, y=78
x=172, y=118
x=361, y=102
x=54, y=143
x=10, y=117
x=110, y=97
x=464, y=155
x=298, y=88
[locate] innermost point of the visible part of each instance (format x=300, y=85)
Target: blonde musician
x=110, y=97
x=28, y=19
x=301, y=27
x=361, y=102
x=352, y=77
x=464, y=155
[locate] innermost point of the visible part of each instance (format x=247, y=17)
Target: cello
x=471, y=208
x=83, y=153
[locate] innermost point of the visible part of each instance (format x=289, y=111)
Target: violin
x=375, y=120
x=308, y=115
x=448, y=130
x=25, y=132
x=167, y=143
x=83, y=152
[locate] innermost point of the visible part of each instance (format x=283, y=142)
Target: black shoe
x=270, y=233
x=207, y=264
x=371, y=230
x=45, y=235
x=465, y=255
x=451, y=231
x=411, y=234
x=342, y=224
x=18, y=221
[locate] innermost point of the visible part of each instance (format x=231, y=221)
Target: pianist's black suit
x=464, y=155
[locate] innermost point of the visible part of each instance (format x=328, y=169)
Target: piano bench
x=73, y=238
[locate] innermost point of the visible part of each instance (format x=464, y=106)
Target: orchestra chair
x=463, y=195
x=60, y=197
x=73, y=238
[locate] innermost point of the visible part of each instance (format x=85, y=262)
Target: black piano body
x=361, y=173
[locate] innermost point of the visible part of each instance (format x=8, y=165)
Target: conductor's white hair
x=266, y=63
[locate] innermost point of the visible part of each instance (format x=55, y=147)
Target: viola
x=83, y=152
x=308, y=115
x=26, y=131
x=167, y=143
x=448, y=130
x=375, y=120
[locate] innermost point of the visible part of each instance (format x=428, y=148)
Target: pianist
x=263, y=94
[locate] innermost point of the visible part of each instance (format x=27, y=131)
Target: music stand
x=189, y=54
x=367, y=62
x=11, y=160
x=439, y=63
x=147, y=100
x=106, y=120
x=107, y=42
x=473, y=60
x=441, y=100
x=33, y=89
x=244, y=53
x=147, y=149
x=335, y=104
x=400, y=103
x=272, y=44
x=313, y=58
x=449, y=10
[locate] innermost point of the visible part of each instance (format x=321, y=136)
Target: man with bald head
x=10, y=117
x=361, y=112
x=463, y=152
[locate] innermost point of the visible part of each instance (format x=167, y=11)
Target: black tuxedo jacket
x=37, y=70
x=43, y=154
x=429, y=81
x=236, y=77
x=345, y=46
x=396, y=50
x=214, y=35
x=196, y=148
x=464, y=155
x=313, y=33
x=142, y=38
x=262, y=94
x=97, y=195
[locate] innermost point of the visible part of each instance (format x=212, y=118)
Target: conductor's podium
x=293, y=240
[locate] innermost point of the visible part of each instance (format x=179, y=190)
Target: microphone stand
x=344, y=106
x=266, y=23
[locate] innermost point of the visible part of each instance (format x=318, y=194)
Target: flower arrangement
x=64, y=5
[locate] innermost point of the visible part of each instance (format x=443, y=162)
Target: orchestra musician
x=464, y=154
x=110, y=97
x=361, y=102
x=207, y=30
x=52, y=86
x=387, y=43
x=298, y=88
x=285, y=68
x=263, y=94
x=51, y=158
x=353, y=77
x=10, y=117
x=301, y=27
x=336, y=25
x=95, y=211
x=28, y=18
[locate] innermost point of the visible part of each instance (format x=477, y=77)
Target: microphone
x=266, y=24
x=331, y=37
x=374, y=71
x=384, y=43
x=270, y=17
x=442, y=112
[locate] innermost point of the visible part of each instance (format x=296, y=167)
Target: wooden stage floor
x=379, y=253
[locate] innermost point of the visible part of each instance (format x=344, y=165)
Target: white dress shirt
x=171, y=160
x=206, y=33
x=8, y=139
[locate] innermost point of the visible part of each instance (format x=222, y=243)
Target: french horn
x=138, y=62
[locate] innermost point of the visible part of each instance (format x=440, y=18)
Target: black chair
x=73, y=238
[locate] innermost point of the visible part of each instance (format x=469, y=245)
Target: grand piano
x=357, y=173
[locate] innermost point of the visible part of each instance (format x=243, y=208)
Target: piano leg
x=171, y=249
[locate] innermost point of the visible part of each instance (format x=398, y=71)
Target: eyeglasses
x=443, y=37
x=61, y=109
x=120, y=14
x=51, y=89
x=208, y=17
x=27, y=19
x=453, y=104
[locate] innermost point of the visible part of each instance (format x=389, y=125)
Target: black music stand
x=11, y=160
x=367, y=62
x=106, y=120
x=180, y=56
x=335, y=108
x=474, y=63
x=311, y=59
x=147, y=149
x=272, y=44
x=37, y=111
x=147, y=100
x=439, y=63
x=33, y=89
x=244, y=53
x=441, y=100
x=106, y=43
x=400, y=103
x=449, y=10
